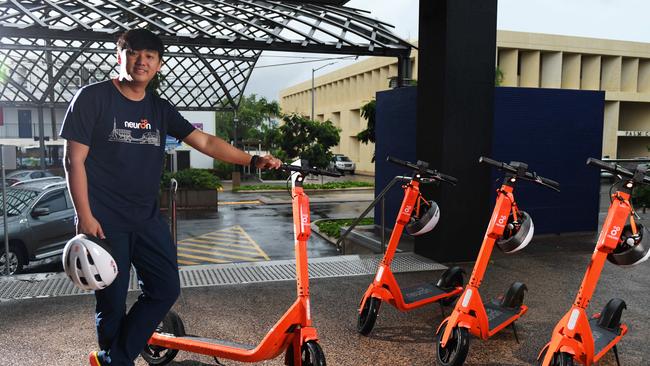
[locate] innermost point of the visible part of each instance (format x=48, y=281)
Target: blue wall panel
x=395, y=131
x=554, y=131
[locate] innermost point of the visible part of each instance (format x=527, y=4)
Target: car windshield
x=343, y=158
x=17, y=200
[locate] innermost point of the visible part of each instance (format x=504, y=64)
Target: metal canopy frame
x=50, y=48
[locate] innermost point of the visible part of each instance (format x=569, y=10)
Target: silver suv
x=40, y=218
x=342, y=164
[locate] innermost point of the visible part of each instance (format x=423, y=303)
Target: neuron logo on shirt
x=142, y=125
x=125, y=136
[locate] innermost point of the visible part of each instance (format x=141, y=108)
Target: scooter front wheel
x=456, y=349
x=157, y=355
x=368, y=316
x=312, y=354
x=559, y=359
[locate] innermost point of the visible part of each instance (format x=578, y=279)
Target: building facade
x=620, y=68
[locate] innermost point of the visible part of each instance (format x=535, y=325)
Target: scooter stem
x=403, y=216
x=494, y=231
x=617, y=214
x=302, y=231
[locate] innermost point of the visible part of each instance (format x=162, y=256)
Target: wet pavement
x=269, y=226
x=59, y=331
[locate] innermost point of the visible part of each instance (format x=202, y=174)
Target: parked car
x=23, y=175
x=342, y=164
x=40, y=219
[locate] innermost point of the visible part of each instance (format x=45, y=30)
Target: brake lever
x=538, y=180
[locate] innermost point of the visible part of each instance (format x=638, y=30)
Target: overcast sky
x=611, y=19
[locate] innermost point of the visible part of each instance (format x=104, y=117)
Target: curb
x=307, y=190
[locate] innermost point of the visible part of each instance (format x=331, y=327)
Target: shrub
x=333, y=227
x=641, y=196
x=222, y=169
x=192, y=179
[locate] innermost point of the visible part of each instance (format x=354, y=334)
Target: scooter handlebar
x=615, y=169
x=307, y=170
x=422, y=168
x=532, y=176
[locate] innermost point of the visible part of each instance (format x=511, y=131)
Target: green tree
x=300, y=137
x=368, y=111
x=253, y=114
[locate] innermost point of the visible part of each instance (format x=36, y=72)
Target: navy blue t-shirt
x=126, y=141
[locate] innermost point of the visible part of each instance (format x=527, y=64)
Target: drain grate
x=56, y=284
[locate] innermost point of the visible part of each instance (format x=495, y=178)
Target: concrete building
x=620, y=68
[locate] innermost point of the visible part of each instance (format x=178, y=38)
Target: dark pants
x=151, y=250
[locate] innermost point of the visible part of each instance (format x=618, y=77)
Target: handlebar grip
x=611, y=167
x=601, y=164
x=399, y=162
x=492, y=162
x=550, y=182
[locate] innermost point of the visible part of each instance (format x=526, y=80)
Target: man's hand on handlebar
x=268, y=162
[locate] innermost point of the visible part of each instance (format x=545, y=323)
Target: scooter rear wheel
x=455, y=352
x=368, y=316
x=157, y=355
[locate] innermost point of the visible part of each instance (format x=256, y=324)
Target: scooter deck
x=603, y=337
x=218, y=342
x=497, y=314
x=421, y=292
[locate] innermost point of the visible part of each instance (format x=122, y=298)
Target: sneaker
x=97, y=358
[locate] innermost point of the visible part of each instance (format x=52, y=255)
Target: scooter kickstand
x=618, y=362
x=514, y=330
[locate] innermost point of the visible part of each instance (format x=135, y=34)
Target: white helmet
x=517, y=234
x=426, y=222
x=88, y=262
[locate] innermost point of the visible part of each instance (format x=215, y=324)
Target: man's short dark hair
x=140, y=39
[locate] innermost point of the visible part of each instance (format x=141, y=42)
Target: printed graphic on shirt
x=124, y=135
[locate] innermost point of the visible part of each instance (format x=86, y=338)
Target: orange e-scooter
x=580, y=338
x=293, y=334
x=511, y=230
x=418, y=216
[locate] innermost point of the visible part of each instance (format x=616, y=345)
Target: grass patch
x=333, y=227
x=329, y=185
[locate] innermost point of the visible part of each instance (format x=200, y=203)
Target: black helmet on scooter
x=427, y=220
x=517, y=234
x=630, y=250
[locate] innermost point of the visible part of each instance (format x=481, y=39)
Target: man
x=115, y=139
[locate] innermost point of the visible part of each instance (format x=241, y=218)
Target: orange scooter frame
x=293, y=332
x=573, y=336
x=471, y=314
x=384, y=286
